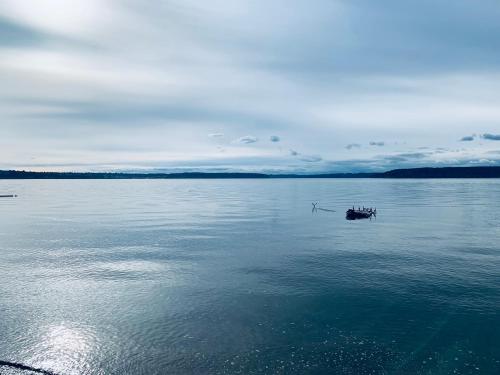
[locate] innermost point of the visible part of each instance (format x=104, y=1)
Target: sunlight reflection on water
x=65, y=349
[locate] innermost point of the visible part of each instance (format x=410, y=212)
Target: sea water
x=242, y=277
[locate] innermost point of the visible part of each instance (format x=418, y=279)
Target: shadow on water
x=23, y=368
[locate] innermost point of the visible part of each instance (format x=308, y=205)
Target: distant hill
x=445, y=172
x=121, y=176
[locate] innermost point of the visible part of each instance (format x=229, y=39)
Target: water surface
x=239, y=276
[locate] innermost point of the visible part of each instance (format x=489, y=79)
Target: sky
x=276, y=86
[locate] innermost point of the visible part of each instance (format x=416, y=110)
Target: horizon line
x=418, y=172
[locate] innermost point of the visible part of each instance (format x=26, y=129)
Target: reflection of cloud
x=467, y=138
x=216, y=135
x=353, y=145
x=491, y=137
x=377, y=143
x=274, y=138
x=247, y=139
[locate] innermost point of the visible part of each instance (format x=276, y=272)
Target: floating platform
x=365, y=213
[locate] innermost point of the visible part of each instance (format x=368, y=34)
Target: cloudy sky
x=248, y=85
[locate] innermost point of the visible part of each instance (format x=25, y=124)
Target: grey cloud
x=390, y=32
x=402, y=158
x=373, y=143
x=274, y=138
x=467, y=138
x=311, y=158
x=395, y=159
x=415, y=155
x=491, y=137
x=13, y=34
x=216, y=135
x=247, y=139
x=352, y=145
x=129, y=112
x=440, y=151
x=306, y=158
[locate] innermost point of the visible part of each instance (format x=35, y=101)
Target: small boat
x=365, y=213
x=8, y=196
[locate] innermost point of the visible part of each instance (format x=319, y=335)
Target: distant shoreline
x=443, y=172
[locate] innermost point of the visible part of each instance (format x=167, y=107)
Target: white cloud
x=246, y=139
x=216, y=135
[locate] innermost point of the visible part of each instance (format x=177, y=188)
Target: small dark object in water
x=8, y=196
x=365, y=213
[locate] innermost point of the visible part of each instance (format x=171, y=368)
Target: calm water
x=239, y=276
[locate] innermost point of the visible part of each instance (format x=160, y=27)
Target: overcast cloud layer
x=273, y=86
